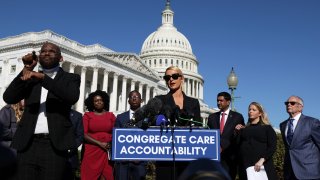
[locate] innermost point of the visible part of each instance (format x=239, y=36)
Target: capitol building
x=117, y=73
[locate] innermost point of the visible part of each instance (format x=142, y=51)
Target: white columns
x=94, y=82
x=124, y=94
x=197, y=89
x=154, y=92
x=201, y=91
x=193, y=89
x=72, y=66
x=133, y=83
x=185, y=86
x=114, y=93
x=147, y=93
x=141, y=92
x=132, y=87
x=105, y=81
x=189, y=87
x=80, y=103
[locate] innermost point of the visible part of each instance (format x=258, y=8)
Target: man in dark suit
x=44, y=134
x=301, y=137
x=76, y=119
x=226, y=120
x=133, y=170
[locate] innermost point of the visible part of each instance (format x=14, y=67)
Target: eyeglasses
x=134, y=97
x=174, y=76
x=291, y=103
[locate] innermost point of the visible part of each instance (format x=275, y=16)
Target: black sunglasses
x=174, y=76
x=291, y=103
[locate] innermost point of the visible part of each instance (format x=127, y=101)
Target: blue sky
x=274, y=45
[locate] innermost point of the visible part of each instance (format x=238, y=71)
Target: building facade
x=99, y=68
x=114, y=72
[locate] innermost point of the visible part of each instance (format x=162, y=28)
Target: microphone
x=185, y=118
x=162, y=120
x=146, y=114
x=138, y=115
x=166, y=113
x=153, y=108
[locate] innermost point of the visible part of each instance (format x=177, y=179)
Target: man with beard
x=45, y=133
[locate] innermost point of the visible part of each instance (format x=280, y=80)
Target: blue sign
x=165, y=145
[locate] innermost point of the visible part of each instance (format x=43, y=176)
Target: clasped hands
x=105, y=146
x=30, y=61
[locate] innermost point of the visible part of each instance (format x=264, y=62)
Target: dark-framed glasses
x=292, y=103
x=173, y=76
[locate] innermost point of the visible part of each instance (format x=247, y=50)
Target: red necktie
x=222, y=122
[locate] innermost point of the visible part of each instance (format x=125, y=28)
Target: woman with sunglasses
x=185, y=111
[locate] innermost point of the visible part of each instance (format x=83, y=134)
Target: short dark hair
x=89, y=101
x=52, y=44
x=135, y=91
x=226, y=95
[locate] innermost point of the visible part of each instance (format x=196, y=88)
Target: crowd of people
x=41, y=134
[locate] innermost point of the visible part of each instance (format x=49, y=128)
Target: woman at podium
x=184, y=111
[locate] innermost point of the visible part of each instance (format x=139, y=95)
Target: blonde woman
x=10, y=116
x=185, y=111
x=258, y=141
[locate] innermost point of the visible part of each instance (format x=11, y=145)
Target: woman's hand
x=239, y=126
x=258, y=165
x=104, y=145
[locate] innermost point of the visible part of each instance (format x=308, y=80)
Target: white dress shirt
x=42, y=122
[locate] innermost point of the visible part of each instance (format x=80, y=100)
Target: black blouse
x=258, y=141
x=190, y=111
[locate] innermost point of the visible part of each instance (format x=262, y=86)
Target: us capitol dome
x=168, y=47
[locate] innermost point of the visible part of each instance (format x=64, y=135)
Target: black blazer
x=63, y=92
x=228, y=138
x=191, y=107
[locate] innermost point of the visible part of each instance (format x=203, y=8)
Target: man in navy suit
x=44, y=134
x=133, y=170
x=228, y=141
x=76, y=119
x=301, y=137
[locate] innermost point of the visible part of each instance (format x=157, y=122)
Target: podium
x=165, y=144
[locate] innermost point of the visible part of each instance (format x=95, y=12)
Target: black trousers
x=130, y=170
x=40, y=161
x=165, y=170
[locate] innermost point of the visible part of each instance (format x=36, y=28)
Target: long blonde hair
x=18, y=110
x=263, y=119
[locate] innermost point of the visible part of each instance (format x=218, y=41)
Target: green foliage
x=151, y=171
x=278, y=156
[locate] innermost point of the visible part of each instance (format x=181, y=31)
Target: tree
x=278, y=156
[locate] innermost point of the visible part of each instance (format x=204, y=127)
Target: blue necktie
x=290, y=131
